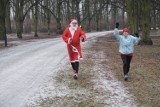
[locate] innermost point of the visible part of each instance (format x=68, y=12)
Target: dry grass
x=25, y=38
x=84, y=91
x=2, y=46
x=144, y=80
x=81, y=92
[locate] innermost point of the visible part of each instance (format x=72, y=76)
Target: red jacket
x=74, y=47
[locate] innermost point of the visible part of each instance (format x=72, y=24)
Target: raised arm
x=137, y=38
x=116, y=32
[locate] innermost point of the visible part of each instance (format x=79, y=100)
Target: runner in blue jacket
x=126, y=47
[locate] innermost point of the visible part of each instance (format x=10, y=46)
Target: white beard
x=74, y=27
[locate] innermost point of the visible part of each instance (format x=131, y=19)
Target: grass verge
x=144, y=81
x=79, y=93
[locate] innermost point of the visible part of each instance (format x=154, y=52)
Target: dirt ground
x=100, y=82
x=97, y=85
x=12, y=39
x=144, y=73
x=99, y=66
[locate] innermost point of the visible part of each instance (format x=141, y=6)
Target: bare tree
x=8, y=20
x=146, y=22
x=21, y=12
x=3, y=36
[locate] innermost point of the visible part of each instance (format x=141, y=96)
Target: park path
x=25, y=67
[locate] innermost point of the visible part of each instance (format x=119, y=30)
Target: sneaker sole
x=75, y=77
x=126, y=79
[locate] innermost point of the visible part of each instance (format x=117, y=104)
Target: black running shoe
x=126, y=77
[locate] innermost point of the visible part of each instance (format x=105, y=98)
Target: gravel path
x=25, y=67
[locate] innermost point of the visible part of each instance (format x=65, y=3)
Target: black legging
x=75, y=66
x=126, y=63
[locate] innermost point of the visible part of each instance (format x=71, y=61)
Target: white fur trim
x=81, y=58
x=74, y=49
x=74, y=21
x=75, y=61
x=72, y=28
x=69, y=40
x=72, y=31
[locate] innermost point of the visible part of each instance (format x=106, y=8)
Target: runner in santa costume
x=72, y=36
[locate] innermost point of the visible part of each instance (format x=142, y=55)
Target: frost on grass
x=63, y=90
x=96, y=86
x=114, y=94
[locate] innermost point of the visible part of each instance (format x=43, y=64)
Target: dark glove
x=83, y=38
x=136, y=34
x=117, y=25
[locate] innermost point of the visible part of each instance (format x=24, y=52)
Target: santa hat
x=125, y=29
x=73, y=20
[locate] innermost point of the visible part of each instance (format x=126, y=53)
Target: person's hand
x=69, y=40
x=137, y=34
x=80, y=26
x=117, y=25
x=83, y=38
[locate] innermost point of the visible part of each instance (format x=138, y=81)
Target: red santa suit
x=72, y=36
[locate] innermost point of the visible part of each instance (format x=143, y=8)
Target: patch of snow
x=25, y=69
x=106, y=81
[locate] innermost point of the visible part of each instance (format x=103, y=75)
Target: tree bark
x=58, y=19
x=146, y=23
x=68, y=10
x=89, y=16
x=78, y=12
x=132, y=16
x=48, y=18
x=36, y=19
x=2, y=21
x=154, y=16
x=8, y=20
x=19, y=18
x=114, y=13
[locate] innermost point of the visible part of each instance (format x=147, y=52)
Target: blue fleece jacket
x=126, y=43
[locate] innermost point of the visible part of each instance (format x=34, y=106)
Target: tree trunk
x=123, y=18
x=68, y=10
x=19, y=26
x=158, y=19
x=77, y=11
x=59, y=28
x=114, y=13
x=132, y=16
x=97, y=15
x=89, y=16
x=42, y=13
x=2, y=21
x=8, y=20
x=19, y=18
x=146, y=22
x=123, y=14
x=154, y=17
x=36, y=19
x=58, y=19
x=107, y=17
x=48, y=18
